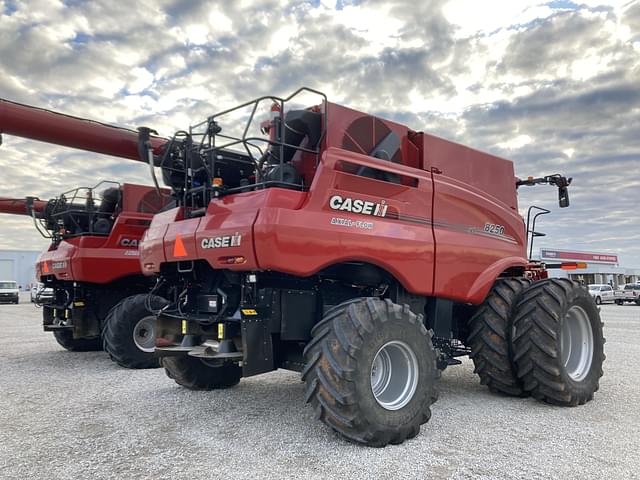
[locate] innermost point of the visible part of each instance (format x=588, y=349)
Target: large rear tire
x=66, y=340
x=129, y=331
x=558, y=342
x=371, y=371
x=196, y=374
x=490, y=337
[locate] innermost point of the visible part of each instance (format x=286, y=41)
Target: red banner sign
x=578, y=256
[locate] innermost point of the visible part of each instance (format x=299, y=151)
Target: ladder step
x=172, y=351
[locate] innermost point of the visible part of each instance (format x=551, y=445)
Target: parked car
x=604, y=293
x=40, y=294
x=630, y=293
x=9, y=292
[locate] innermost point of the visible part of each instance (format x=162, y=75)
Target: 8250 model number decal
x=494, y=228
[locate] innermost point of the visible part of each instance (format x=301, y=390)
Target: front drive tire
x=490, y=330
x=558, y=342
x=129, y=331
x=66, y=340
x=196, y=374
x=370, y=371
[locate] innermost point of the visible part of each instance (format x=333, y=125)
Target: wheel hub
x=144, y=335
x=394, y=375
x=576, y=343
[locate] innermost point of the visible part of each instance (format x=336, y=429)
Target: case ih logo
x=222, y=242
x=358, y=206
x=128, y=242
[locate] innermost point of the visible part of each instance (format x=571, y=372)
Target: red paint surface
x=432, y=239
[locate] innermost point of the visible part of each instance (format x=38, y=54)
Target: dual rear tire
x=543, y=340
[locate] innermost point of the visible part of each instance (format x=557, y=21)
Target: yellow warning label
x=184, y=327
x=78, y=304
x=221, y=331
x=249, y=311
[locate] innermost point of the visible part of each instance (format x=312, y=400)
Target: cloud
x=551, y=85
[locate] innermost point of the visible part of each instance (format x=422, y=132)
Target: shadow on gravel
x=59, y=359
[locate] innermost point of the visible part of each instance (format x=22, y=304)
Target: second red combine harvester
x=364, y=255
x=92, y=262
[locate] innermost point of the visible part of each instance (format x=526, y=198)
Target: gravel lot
x=77, y=415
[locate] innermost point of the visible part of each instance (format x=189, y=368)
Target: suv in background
x=9, y=292
x=602, y=293
x=631, y=293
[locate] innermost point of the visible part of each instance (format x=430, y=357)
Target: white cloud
x=473, y=17
x=142, y=79
x=219, y=21
x=516, y=142
x=197, y=34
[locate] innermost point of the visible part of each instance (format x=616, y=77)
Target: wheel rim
x=394, y=375
x=576, y=343
x=144, y=335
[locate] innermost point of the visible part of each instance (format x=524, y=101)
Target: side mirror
x=563, y=197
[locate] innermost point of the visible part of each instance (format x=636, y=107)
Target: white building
x=18, y=265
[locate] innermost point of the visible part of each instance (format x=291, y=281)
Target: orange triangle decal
x=178, y=248
x=46, y=268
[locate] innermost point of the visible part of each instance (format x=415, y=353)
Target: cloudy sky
x=552, y=85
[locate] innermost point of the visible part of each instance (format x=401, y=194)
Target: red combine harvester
x=92, y=262
x=366, y=256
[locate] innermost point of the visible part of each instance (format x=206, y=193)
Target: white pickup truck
x=604, y=293
x=631, y=293
x=9, y=292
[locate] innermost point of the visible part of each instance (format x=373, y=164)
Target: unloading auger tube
x=52, y=127
x=22, y=206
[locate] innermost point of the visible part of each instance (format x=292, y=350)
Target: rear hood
x=223, y=237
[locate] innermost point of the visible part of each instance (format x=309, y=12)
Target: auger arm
x=23, y=206
x=80, y=133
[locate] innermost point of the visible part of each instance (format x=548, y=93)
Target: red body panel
x=470, y=193
x=449, y=225
x=50, y=127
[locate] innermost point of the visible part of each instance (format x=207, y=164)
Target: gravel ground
x=78, y=415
